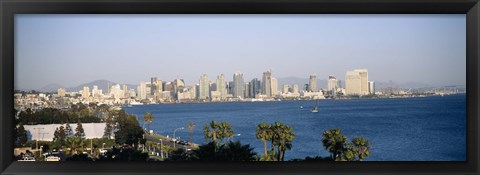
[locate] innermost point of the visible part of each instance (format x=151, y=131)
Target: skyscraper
x=221, y=86
x=356, y=82
x=156, y=87
x=254, y=88
x=142, y=91
x=274, y=86
x=285, y=88
x=204, y=88
x=312, y=85
x=86, y=92
x=295, y=88
x=238, y=85
x=61, y=92
x=332, y=83
x=267, y=83
x=371, y=87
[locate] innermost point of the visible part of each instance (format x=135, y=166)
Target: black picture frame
x=8, y=8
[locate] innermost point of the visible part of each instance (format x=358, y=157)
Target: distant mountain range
x=103, y=84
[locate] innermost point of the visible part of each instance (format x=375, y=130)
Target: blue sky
x=74, y=49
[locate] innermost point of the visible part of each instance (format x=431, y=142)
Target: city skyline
x=73, y=49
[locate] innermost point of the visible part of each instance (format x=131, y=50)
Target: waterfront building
x=295, y=88
x=86, y=92
x=142, y=91
x=61, y=92
x=356, y=82
x=245, y=90
x=204, y=87
x=267, y=84
x=371, y=87
x=156, y=87
x=332, y=83
x=221, y=86
x=125, y=91
x=274, y=86
x=132, y=93
x=178, y=85
x=238, y=85
x=254, y=88
x=339, y=83
x=285, y=88
x=312, y=85
x=230, y=88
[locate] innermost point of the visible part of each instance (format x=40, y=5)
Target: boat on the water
x=315, y=108
x=136, y=103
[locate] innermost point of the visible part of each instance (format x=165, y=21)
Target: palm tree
x=225, y=131
x=263, y=132
x=211, y=134
x=362, y=147
x=148, y=117
x=283, y=136
x=334, y=141
x=191, y=125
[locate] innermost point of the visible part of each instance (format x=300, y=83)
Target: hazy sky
x=74, y=49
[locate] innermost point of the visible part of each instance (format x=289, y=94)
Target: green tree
x=74, y=143
x=191, y=126
x=362, y=147
x=148, y=118
x=79, y=132
x=225, y=131
x=68, y=130
x=109, y=126
x=211, y=130
x=263, y=133
x=283, y=136
x=334, y=141
x=22, y=135
x=128, y=130
x=59, y=136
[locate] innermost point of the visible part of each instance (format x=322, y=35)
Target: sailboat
x=315, y=108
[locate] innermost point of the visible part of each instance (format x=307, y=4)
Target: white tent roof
x=45, y=132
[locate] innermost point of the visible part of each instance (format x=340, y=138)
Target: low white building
x=45, y=132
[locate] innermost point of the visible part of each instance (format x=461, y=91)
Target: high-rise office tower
x=254, y=88
x=267, y=83
x=274, y=86
x=285, y=88
x=204, y=87
x=332, y=83
x=61, y=92
x=356, y=82
x=221, y=86
x=295, y=88
x=312, y=85
x=238, y=85
x=142, y=91
x=371, y=87
x=86, y=92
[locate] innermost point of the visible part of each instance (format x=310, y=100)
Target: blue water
x=406, y=129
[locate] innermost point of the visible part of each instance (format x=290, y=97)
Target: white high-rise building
x=274, y=86
x=142, y=91
x=204, y=89
x=285, y=88
x=61, y=92
x=371, y=87
x=86, y=92
x=238, y=85
x=221, y=86
x=312, y=85
x=356, y=82
x=332, y=83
